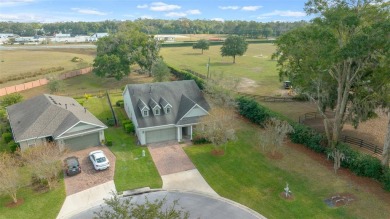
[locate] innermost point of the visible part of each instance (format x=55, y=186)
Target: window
x=168, y=110
x=145, y=113
x=157, y=111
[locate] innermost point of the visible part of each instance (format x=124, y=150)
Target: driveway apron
x=176, y=169
x=86, y=199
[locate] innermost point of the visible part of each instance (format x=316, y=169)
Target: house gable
x=80, y=128
x=196, y=111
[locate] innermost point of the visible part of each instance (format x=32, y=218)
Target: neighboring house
x=50, y=118
x=164, y=111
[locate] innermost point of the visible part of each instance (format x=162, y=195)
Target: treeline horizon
x=248, y=29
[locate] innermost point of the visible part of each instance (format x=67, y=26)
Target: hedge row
x=185, y=75
x=359, y=163
x=211, y=43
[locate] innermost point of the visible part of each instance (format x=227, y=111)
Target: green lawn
x=131, y=169
x=36, y=204
x=256, y=64
x=247, y=176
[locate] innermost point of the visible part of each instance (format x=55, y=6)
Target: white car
x=99, y=160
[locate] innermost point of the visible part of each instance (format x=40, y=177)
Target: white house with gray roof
x=164, y=111
x=50, y=118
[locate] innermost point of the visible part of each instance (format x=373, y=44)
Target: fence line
x=267, y=98
x=41, y=82
x=112, y=110
x=345, y=138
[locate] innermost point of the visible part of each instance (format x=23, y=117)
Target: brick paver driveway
x=89, y=177
x=169, y=158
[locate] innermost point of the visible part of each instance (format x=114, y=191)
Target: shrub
x=386, y=179
x=13, y=146
x=110, y=122
x=366, y=165
x=308, y=137
x=185, y=75
x=200, y=140
x=250, y=109
x=119, y=103
x=125, y=122
x=7, y=137
x=108, y=142
x=129, y=128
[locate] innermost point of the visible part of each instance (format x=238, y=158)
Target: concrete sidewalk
x=86, y=199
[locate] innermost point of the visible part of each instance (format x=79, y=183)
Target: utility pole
x=208, y=68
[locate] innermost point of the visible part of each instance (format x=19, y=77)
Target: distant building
x=165, y=38
x=94, y=37
x=61, y=35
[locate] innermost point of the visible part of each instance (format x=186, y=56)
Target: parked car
x=72, y=166
x=99, y=160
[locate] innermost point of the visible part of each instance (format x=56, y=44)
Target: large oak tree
x=333, y=59
x=234, y=46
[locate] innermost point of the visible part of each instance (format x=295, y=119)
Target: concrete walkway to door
x=176, y=169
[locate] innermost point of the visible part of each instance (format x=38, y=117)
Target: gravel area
x=89, y=177
x=169, y=158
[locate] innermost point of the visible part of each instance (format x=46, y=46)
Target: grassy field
x=19, y=62
x=255, y=66
x=246, y=175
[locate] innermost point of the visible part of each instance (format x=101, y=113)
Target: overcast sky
x=100, y=10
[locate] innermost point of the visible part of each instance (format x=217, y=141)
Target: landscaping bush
x=110, y=122
x=108, y=142
x=308, y=137
x=200, y=140
x=184, y=75
x=366, y=165
x=125, y=122
x=250, y=109
x=13, y=146
x=129, y=128
x=120, y=103
x=386, y=179
x=7, y=137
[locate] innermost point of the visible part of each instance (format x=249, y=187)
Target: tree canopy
x=333, y=59
x=116, y=52
x=201, y=44
x=234, y=46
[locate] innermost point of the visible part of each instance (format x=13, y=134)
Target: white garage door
x=160, y=135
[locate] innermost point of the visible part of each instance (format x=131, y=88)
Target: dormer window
x=157, y=111
x=165, y=105
x=144, y=109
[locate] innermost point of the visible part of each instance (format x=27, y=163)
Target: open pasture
x=255, y=68
x=22, y=62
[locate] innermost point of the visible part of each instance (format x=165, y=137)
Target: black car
x=72, y=166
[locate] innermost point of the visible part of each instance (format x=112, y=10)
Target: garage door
x=160, y=135
x=82, y=142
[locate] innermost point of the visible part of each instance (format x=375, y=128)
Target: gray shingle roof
x=181, y=95
x=47, y=115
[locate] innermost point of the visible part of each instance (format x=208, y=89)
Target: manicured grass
x=249, y=177
x=36, y=204
x=256, y=64
x=131, y=169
